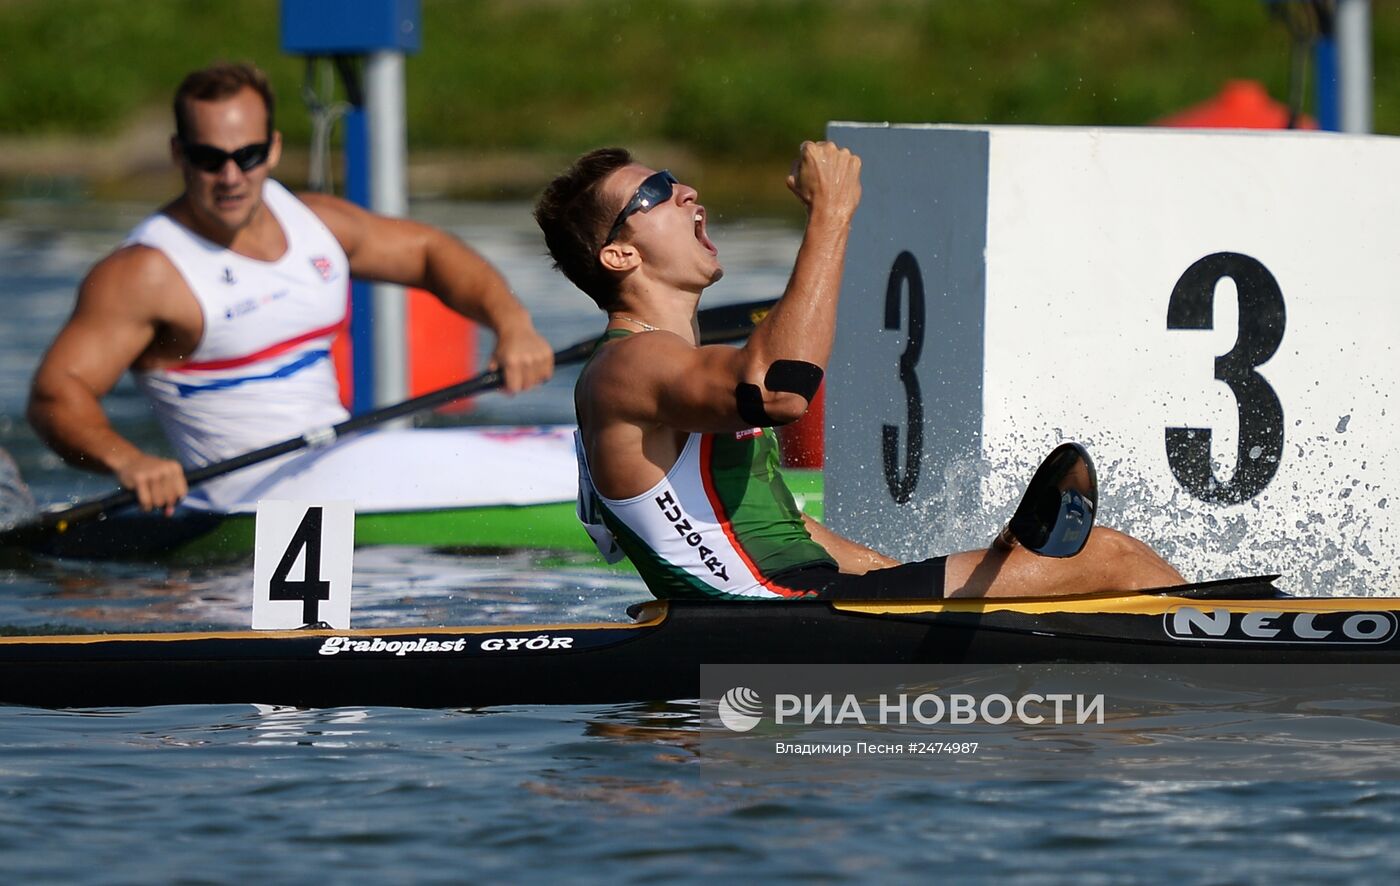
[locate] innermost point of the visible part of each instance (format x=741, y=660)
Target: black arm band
x=794, y=377
x=750, y=400
x=788, y=376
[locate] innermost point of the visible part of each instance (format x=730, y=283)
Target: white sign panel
x=303, y=559
x=1211, y=313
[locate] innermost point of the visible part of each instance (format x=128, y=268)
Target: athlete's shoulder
x=319, y=203
x=135, y=265
x=622, y=371
x=136, y=279
x=348, y=223
x=330, y=209
x=639, y=355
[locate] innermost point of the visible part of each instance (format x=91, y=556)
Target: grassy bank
x=726, y=86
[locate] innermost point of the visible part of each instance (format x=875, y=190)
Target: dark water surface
x=221, y=794
x=622, y=793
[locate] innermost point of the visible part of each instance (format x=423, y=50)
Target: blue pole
x=361, y=303
x=1328, y=103
x=366, y=29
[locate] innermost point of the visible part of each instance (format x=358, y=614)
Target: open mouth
x=700, y=232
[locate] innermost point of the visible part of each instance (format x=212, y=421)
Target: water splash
x=1323, y=523
x=1330, y=542
x=16, y=500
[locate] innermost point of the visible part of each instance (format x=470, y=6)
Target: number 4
x=310, y=589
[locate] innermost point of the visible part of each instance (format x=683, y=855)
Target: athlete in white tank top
x=243, y=361
x=262, y=370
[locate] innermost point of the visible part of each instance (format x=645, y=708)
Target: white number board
x=1213, y=314
x=303, y=560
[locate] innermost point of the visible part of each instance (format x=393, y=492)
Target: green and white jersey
x=721, y=523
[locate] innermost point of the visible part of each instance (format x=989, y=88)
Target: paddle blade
x=1056, y=514
x=16, y=501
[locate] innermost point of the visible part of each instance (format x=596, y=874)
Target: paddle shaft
x=725, y=323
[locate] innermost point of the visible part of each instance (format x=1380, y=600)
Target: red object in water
x=343, y=360
x=802, y=440
x=441, y=350
x=1241, y=104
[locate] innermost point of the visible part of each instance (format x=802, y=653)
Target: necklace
x=645, y=326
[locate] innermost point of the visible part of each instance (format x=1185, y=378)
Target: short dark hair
x=575, y=217
x=216, y=82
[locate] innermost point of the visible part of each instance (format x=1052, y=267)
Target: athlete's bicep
x=722, y=388
x=658, y=378
x=114, y=321
x=700, y=390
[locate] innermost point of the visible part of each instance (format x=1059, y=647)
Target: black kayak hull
x=659, y=656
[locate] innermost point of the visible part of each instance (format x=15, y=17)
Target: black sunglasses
x=211, y=159
x=655, y=190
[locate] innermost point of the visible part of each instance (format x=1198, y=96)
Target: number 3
x=905, y=271
x=1260, y=413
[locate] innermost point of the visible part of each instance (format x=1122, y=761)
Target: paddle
x=720, y=324
x=1056, y=513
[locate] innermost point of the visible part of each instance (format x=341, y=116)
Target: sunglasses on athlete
x=653, y=191
x=211, y=159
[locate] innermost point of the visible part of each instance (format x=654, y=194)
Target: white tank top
x=262, y=370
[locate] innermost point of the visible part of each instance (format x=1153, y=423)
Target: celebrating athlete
x=678, y=462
